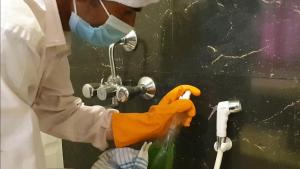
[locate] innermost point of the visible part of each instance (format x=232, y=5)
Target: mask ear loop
x=74, y=5
x=106, y=11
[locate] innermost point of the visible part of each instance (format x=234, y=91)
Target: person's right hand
x=184, y=110
x=130, y=128
x=175, y=94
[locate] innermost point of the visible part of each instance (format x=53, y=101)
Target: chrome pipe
x=111, y=60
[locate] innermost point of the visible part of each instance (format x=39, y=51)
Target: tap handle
x=124, y=93
x=90, y=89
x=106, y=91
x=148, y=87
x=145, y=88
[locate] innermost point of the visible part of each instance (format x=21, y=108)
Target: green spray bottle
x=162, y=152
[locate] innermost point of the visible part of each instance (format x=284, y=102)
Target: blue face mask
x=110, y=32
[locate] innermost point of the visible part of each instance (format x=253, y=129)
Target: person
x=36, y=91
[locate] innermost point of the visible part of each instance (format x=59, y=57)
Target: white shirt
x=36, y=91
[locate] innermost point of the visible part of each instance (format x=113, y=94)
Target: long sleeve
x=22, y=42
x=65, y=116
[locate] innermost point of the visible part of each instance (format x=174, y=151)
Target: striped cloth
x=123, y=158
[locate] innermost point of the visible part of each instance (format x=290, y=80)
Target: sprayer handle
x=222, y=118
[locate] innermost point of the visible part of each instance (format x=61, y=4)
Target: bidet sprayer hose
x=218, y=159
x=225, y=145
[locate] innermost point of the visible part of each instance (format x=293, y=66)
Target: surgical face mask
x=110, y=32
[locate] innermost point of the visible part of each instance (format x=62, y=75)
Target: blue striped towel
x=123, y=158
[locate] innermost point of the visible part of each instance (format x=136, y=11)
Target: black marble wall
x=243, y=49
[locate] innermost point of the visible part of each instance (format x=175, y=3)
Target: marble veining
x=237, y=49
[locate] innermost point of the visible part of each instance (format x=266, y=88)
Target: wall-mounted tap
x=119, y=93
x=113, y=87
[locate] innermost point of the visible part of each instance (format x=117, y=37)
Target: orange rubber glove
x=178, y=91
x=130, y=128
x=175, y=93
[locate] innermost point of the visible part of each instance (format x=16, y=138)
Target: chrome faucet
x=113, y=87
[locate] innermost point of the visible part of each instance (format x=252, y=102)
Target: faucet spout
x=111, y=60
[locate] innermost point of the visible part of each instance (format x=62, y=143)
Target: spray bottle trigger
x=186, y=95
